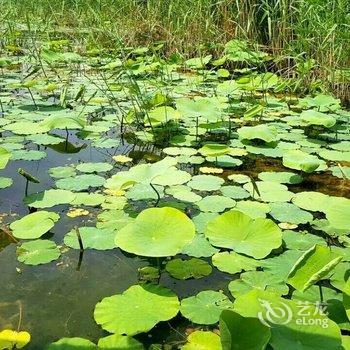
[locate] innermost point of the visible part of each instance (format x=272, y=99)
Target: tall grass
x=318, y=29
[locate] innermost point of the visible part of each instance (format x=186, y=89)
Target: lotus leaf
x=203, y=340
x=269, y=191
x=261, y=132
x=157, y=232
x=80, y=182
x=286, y=332
x=91, y=237
x=232, y=262
x=312, y=117
x=185, y=269
x=235, y=192
x=337, y=212
x=38, y=252
x=62, y=172
x=34, y=225
x=313, y=201
x=300, y=160
x=312, y=266
x=72, y=344
x=94, y=167
x=213, y=150
x=5, y=182
x=136, y=310
x=89, y=199
x=237, y=231
x=215, y=204
x=238, y=332
x=205, y=182
x=287, y=212
x=199, y=247
x=281, y=177
x=262, y=280
x=49, y=198
x=301, y=240
x=5, y=155
x=205, y=307
x=253, y=209
x=121, y=342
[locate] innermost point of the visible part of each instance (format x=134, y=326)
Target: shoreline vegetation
x=303, y=38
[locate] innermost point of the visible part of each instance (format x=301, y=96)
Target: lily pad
x=49, y=198
x=94, y=167
x=237, y=231
x=122, y=342
x=34, y=225
x=157, y=232
x=205, y=307
x=232, y=262
x=136, y=310
x=215, y=204
x=199, y=247
x=203, y=340
x=72, y=344
x=205, y=182
x=38, y=252
x=5, y=182
x=287, y=212
x=261, y=132
x=80, y=182
x=185, y=269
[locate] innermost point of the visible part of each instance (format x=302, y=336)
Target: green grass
x=294, y=29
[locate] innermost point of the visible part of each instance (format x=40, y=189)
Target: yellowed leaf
x=120, y=158
x=73, y=213
x=208, y=170
x=9, y=339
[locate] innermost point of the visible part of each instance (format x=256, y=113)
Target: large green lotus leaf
x=142, y=173
x=346, y=342
x=198, y=62
x=201, y=220
x=177, y=151
x=206, y=108
x=136, y=310
x=237, y=231
x=172, y=177
x=89, y=199
x=301, y=240
x=341, y=146
x=335, y=155
x=162, y=114
x=114, y=202
x=80, y=182
x=62, y=172
x=213, y=150
x=92, y=237
x=205, y=307
x=28, y=155
x=283, y=317
x=113, y=219
x=340, y=275
x=281, y=177
x=269, y=191
x=238, y=332
x=288, y=212
x=312, y=294
x=312, y=117
x=225, y=161
x=5, y=182
x=312, y=266
x=185, y=269
x=106, y=143
x=61, y=122
x=235, y=192
x=338, y=212
x=38, y=252
x=300, y=160
x=94, y=167
x=183, y=193
x=49, y=198
x=119, y=342
x=205, y=182
x=72, y=344
x=232, y=262
x=215, y=204
x=157, y=232
x=261, y=132
x=142, y=191
x=263, y=280
x=253, y=209
x=199, y=247
x=313, y=201
x=45, y=139
x=5, y=155
x=27, y=128
x=34, y=225
x=341, y=171
x=202, y=340
x=346, y=298
x=281, y=264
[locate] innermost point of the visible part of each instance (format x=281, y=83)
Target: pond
x=162, y=183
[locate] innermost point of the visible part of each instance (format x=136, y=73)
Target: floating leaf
x=34, y=225
x=312, y=266
x=205, y=182
x=49, y=198
x=215, y=203
x=94, y=167
x=237, y=231
x=185, y=269
x=203, y=340
x=205, y=307
x=38, y=252
x=80, y=182
x=232, y=262
x=72, y=344
x=12, y=339
x=238, y=332
x=157, y=232
x=261, y=132
x=136, y=310
x=121, y=342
